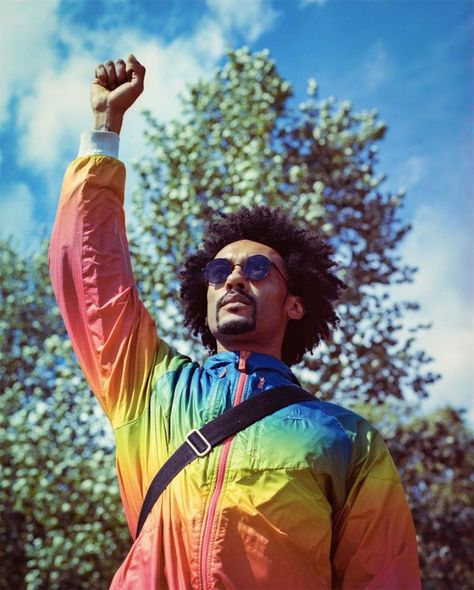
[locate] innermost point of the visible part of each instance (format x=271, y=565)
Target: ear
x=295, y=307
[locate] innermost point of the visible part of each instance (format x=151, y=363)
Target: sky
x=411, y=60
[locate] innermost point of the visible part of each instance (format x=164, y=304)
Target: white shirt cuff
x=105, y=143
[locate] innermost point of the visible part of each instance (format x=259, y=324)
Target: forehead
x=242, y=249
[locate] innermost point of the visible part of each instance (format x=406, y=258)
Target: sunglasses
x=256, y=268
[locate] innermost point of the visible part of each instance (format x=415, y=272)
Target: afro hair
x=309, y=262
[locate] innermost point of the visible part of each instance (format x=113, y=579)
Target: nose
x=236, y=279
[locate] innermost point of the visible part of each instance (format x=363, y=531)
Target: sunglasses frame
x=243, y=267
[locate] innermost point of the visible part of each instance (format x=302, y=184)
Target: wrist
x=107, y=120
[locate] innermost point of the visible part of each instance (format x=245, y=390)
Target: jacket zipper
x=211, y=513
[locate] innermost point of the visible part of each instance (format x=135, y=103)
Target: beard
x=235, y=326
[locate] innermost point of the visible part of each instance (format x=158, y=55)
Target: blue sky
x=411, y=60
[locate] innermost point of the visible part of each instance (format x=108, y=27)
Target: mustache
x=223, y=300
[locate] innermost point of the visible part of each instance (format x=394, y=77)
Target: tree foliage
x=240, y=140
x=435, y=455
x=62, y=523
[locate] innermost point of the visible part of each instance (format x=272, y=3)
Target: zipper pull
x=244, y=355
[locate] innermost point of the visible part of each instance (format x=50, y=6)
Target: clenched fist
x=116, y=87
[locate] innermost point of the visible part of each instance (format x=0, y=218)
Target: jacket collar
x=255, y=362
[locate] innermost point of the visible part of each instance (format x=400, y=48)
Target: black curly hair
x=309, y=262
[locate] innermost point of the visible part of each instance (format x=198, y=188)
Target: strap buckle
x=207, y=448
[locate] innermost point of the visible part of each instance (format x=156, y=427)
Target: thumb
x=134, y=69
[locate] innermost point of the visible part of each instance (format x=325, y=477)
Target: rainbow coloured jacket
x=307, y=498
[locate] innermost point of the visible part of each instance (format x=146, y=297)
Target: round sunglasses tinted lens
x=257, y=267
x=217, y=270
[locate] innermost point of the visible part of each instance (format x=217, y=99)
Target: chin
x=235, y=327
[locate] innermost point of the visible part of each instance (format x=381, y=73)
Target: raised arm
x=113, y=335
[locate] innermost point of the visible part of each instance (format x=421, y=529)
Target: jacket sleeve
x=113, y=335
x=374, y=541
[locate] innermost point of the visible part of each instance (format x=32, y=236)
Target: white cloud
x=442, y=254
x=412, y=171
x=54, y=113
x=377, y=67
x=17, y=214
x=170, y=68
x=248, y=17
x=208, y=41
x=25, y=46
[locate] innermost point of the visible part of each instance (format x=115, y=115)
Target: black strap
x=200, y=442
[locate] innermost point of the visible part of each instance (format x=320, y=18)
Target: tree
x=435, y=455
x=62, y=523
x=240, y=141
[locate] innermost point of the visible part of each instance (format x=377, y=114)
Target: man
x=307, y=497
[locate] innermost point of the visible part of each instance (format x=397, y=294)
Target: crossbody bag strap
x=198, y=443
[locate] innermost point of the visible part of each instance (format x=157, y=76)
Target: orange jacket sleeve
x=112, y=333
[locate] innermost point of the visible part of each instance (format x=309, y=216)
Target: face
x=251, y=315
